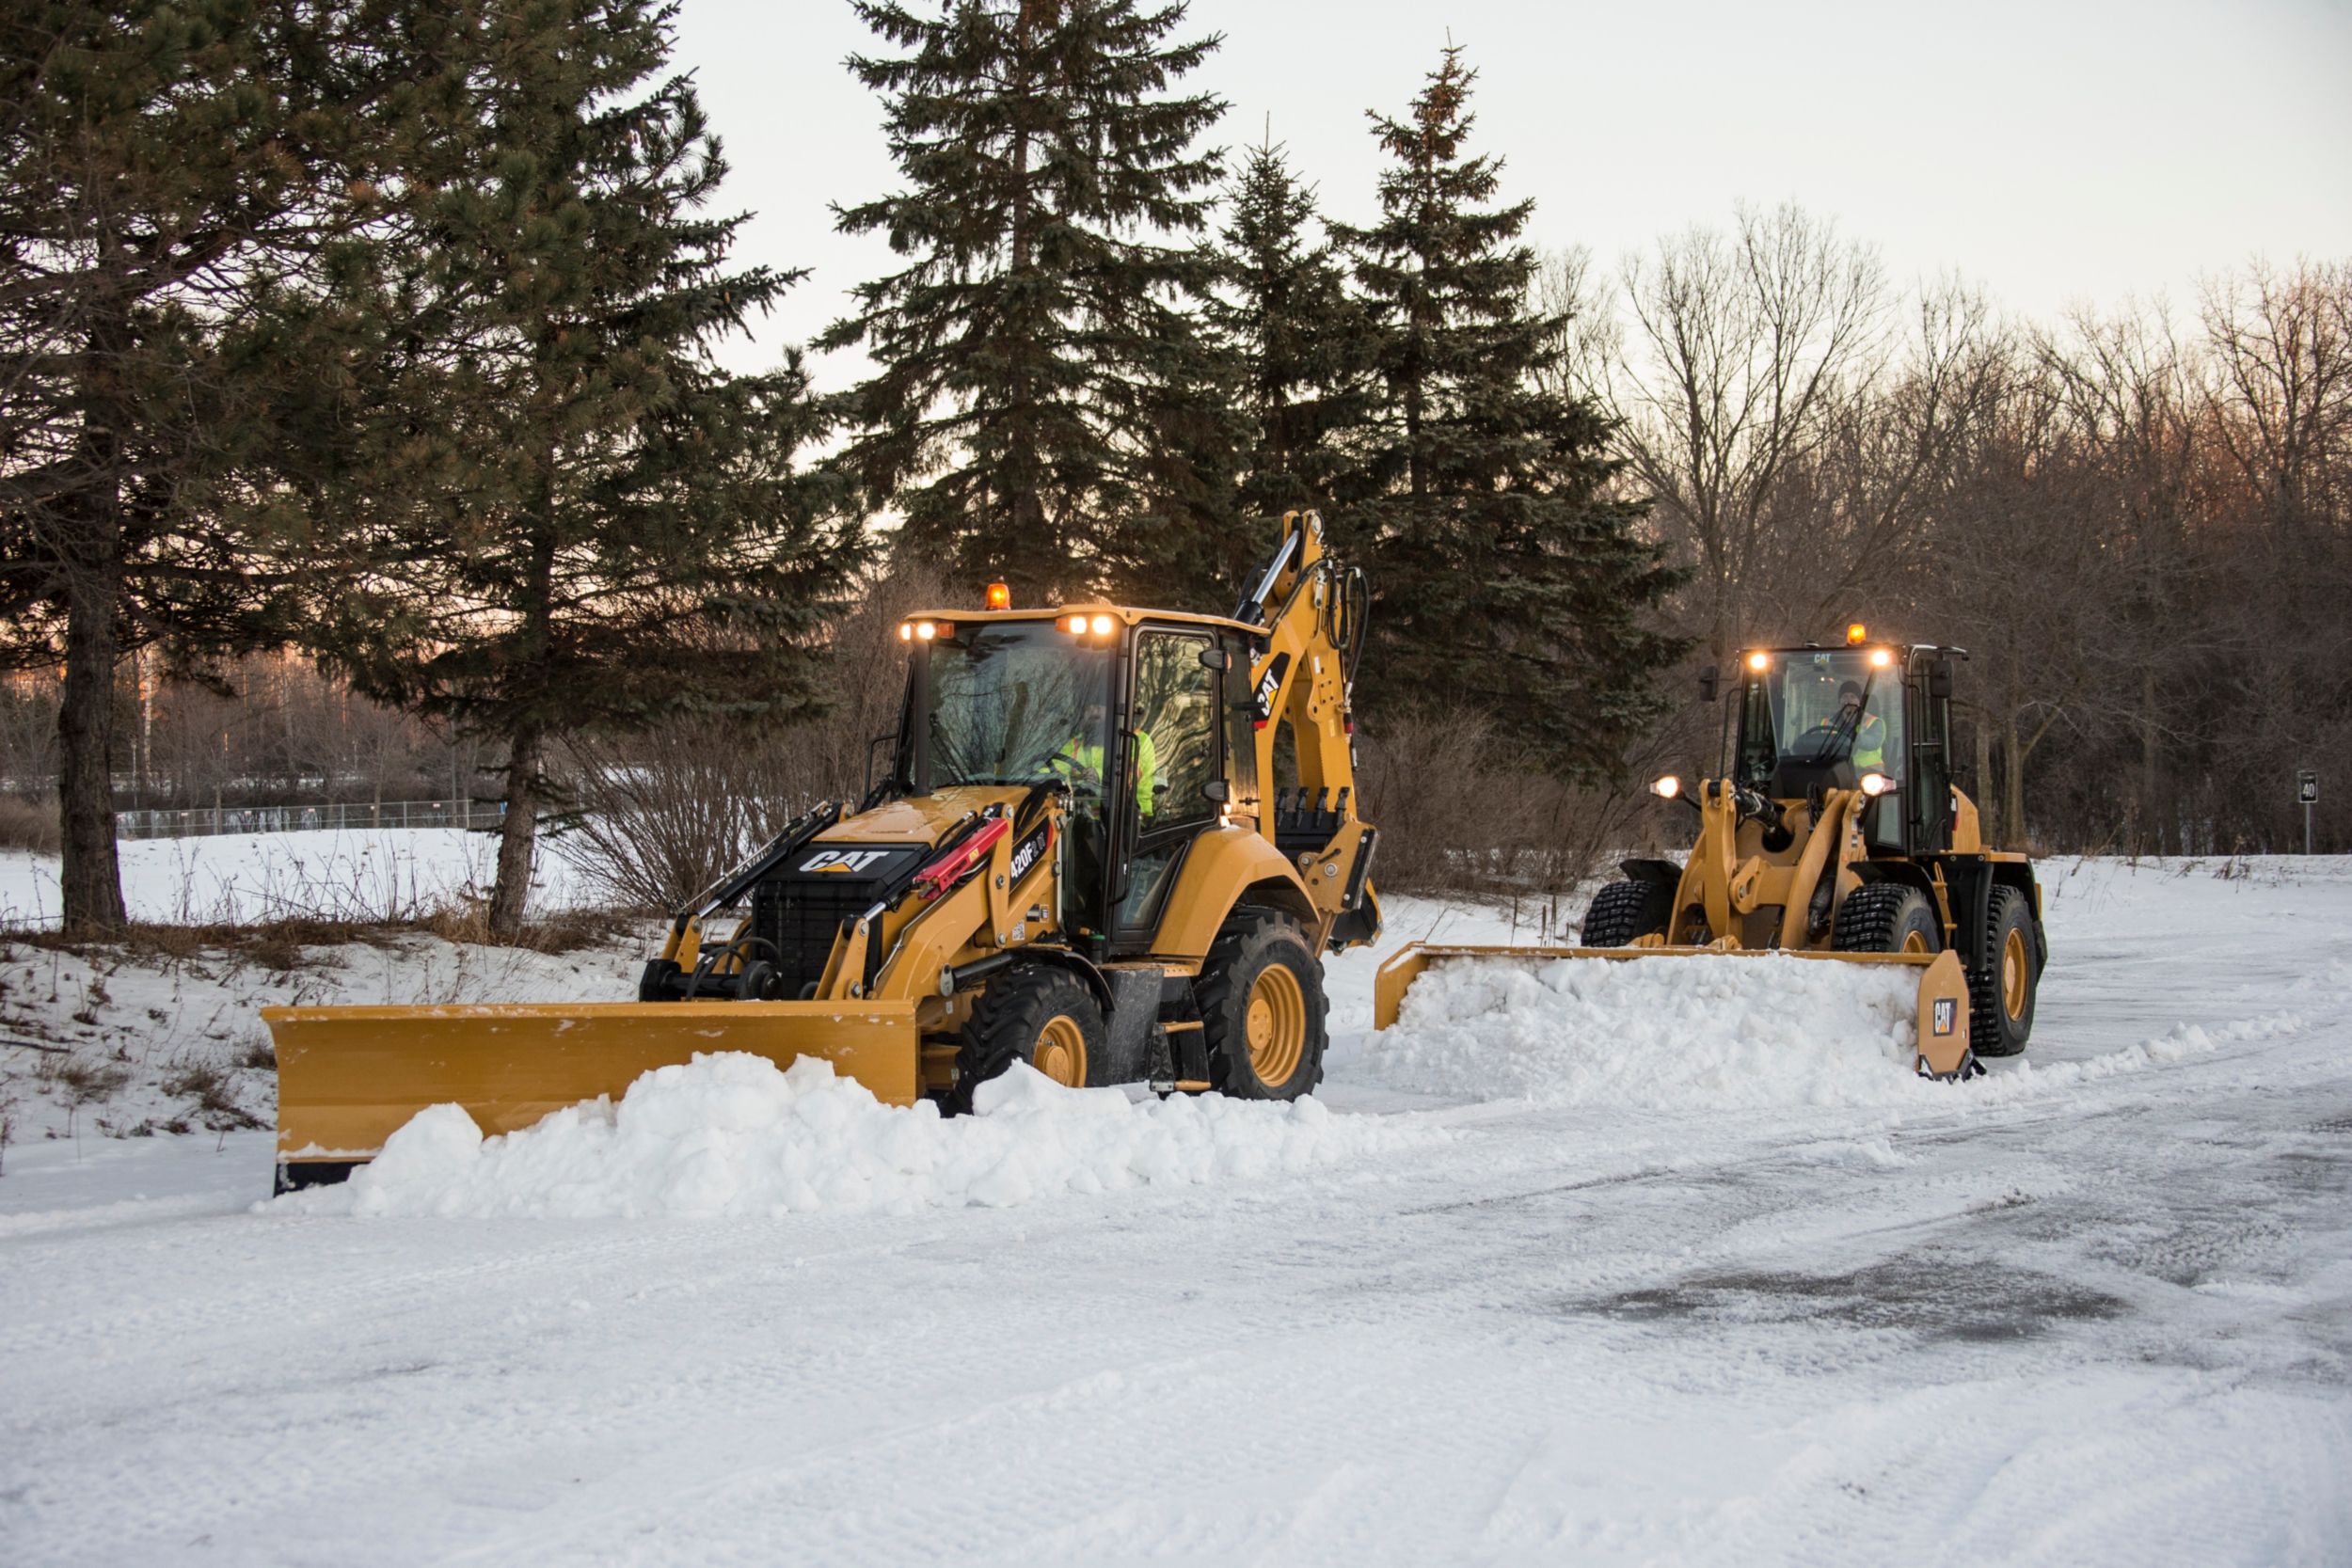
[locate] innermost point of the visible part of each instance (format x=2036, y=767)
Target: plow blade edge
x=350, y=1077
x=1943, y=993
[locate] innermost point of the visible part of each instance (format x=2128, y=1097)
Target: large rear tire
x=1262, y=1008
x=2002, y=988
x=1039, y=1014
x=1887, y=917
x=1622, y=912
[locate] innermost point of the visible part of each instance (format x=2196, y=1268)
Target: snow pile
x=1659, y=1033
x=731, y=1133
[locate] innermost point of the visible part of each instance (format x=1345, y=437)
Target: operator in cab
x=1081, y=759
x=1868, y=729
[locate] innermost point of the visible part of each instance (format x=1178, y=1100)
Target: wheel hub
x=1061, y=1052
x=2014, y=973
x=1276, y=1025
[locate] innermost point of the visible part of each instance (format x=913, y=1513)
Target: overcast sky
x=2074, y=150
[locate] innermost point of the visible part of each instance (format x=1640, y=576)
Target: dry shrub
x=27, y=826
x=664, y=815
x=557, y=931
x=208, y=1084
x=1460, y=813
x=83, y=1082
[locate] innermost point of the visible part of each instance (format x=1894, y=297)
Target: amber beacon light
x=999, y=597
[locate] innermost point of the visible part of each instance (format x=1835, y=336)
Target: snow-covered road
x=2095, y=1311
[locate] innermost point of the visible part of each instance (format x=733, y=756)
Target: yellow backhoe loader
x=1835, y=833
x=1081, y=858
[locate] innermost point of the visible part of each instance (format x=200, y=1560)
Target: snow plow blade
x=350, y=1077
x=1943, y=1014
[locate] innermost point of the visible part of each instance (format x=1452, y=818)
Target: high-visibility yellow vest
x=1869, y=744
x=1090, y=757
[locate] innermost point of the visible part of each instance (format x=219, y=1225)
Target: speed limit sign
x=2306, y=787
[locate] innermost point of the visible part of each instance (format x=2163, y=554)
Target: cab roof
x=1127, y=614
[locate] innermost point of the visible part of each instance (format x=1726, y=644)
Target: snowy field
x=382, y=874
x=1570, y=1268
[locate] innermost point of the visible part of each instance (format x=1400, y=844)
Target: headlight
x=1665, y=786
x=1876, y=784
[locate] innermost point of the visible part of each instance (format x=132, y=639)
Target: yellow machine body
x=1781, y=851
x=900, y=980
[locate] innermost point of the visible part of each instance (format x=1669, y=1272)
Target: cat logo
x=852, y=860
x=1267, y=686
x=1946, y=1014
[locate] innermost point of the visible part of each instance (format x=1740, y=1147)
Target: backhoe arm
x=1312, y=610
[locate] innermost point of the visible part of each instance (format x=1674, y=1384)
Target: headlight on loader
x=1876, y=784
x=1665, y=786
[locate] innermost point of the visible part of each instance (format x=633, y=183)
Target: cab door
x=1173, y=712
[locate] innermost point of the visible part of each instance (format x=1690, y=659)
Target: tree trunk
x=1980, y=779
x=2013, y=786
x=90, y=877
x=518, y=833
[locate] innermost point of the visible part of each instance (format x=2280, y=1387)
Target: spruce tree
x=1044, y=410
x=578, y=521
x=1301, y=343
x=1506, y=581
x=171, y=177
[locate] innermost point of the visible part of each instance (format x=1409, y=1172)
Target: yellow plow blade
x=349, y=1077
x=1943, y=1014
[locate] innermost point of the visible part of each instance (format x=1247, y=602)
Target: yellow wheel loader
x=1836, y=833
x=1081, y=858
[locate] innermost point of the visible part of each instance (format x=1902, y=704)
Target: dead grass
x=565, y=931
x=279, y=945
x=27, y=826
x=209, y=1085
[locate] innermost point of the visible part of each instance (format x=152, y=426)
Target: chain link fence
x=206, y=821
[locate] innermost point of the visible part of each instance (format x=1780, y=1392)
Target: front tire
x=1622, y=912
x=1262, y=1008
x=1040, y=1015
x=1887, y=917
x=2002, y=990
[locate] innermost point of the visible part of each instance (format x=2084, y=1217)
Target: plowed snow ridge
x=1659, y=1033
x=730, y=1133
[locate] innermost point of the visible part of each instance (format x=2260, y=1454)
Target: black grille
x=800, y=920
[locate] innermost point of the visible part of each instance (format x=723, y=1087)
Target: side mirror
x=1708, y=684
x=1214, y=659
x=872, y=747
x=1940, y=678
x=1216, y=791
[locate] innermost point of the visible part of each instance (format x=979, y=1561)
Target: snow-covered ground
x=1579, y=1279
x=382, y=874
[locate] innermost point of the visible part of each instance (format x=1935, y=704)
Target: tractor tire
x=1887, y=917
x=1262, y=1008
x=1039, y=1014
x=1624, y=910
x=2002, y=990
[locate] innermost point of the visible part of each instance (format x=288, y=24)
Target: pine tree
x=171, y=175
x=1506, y=580
x=1045, y=410
x=1302, y=344
x=590, y=525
